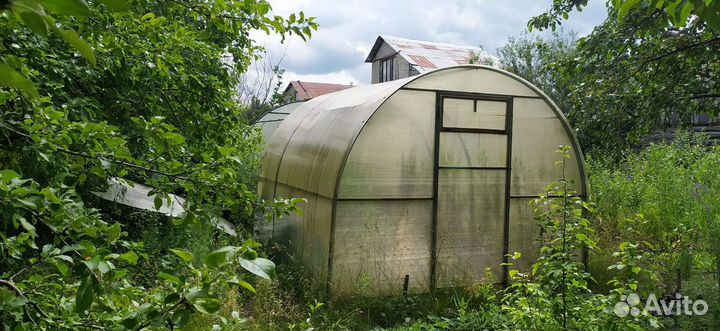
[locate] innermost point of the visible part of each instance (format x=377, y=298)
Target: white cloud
x=336, y=52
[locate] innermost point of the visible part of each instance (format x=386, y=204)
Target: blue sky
x=336, y=52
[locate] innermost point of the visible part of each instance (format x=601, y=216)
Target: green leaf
x=67, y=7
x=25, y=224
x=93, y=263
x=129, y=323
x=84, y=296
x=175, y=138
x=131, y=257
x=104, y=267
x=181, y=317
x=11, y=78
x=7, y=175
x=219, y=257
x=64, y=258
x=625, y=7
x=116, y=5
x=32, y=202
x=113, y=233
x=183, y=254
x=79, y=44
x=246, y=285
x=260, y=267
x=170, y=278
x=35, y=21
x=171, y=298
x=207, y=305
x=684, y=13
x=158, y=202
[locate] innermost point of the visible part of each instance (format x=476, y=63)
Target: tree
x=644, y=69
x=145, y=92
x=536, y=59
x=260, y=88
x=679, y=12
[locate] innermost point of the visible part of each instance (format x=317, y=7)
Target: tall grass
x=673, y=188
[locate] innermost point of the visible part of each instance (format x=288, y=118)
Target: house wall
x=401, y=66
x=291, y=95
x=401, y=69
x=384, y=51
x=375, y=72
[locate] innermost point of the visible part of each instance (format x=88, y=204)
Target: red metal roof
x=309, y=90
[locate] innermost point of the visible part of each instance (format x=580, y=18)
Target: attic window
x=386, y=70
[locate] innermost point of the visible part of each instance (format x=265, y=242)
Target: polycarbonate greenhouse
x=270, y=121
x=424, y=181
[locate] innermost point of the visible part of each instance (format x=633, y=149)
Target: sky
x=348, y=29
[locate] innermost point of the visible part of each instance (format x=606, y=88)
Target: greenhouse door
x=472, y=150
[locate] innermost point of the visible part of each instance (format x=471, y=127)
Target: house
x=394, y=58
x=303, y=91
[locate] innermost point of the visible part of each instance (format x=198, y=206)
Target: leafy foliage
x=651, y=66
x=142, y=90
x=680, y=12
x=555, y=294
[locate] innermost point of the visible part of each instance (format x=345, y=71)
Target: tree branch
x=108, y=158
x=705, y=96
x=682, y=49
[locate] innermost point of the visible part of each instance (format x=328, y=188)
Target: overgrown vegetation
x=651, y=66
x=145, y=91
x=670, y=193
x=139, y=91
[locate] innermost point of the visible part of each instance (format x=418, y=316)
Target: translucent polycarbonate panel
x=472, y=149
x=307, y=235
x=478, y=79
x=264, y=230
x=289, y=230
x=276, y=144
x=377, y=243
x=269, y=128
x=470, y=222
x=393, y=155
x=316, y=240
x=474, y=114
x=271, y=121
x=524, y=234
x=537, y=133
x=321, y=140
x=456, y=109
x=302, y=159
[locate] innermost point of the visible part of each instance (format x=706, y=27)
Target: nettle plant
x=554, y=294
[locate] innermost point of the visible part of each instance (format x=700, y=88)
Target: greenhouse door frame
x=439, y=128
